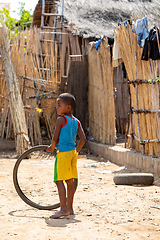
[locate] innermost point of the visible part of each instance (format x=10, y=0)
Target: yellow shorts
x=65, y=165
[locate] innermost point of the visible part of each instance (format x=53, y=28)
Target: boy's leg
x=70, y=195
x=62, y=197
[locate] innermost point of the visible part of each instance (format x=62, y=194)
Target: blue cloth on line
x=97, y=44
x=141, y=30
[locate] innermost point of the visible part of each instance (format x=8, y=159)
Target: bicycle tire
x=17, y=186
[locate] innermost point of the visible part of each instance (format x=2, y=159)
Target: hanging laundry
x=117, y=58
x=97, y=44
x=126, y=22
x=151, y=46
x=139, y=27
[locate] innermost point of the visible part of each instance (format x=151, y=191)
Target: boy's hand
x=50, y=149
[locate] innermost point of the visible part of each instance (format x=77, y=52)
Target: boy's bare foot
x=60, y=213
x=71, y=211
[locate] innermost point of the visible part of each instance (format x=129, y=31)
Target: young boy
x=66, y=129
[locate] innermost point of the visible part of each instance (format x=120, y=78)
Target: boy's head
x=68, y=99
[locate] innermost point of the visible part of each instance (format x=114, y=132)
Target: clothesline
x=139, y=81
x=42, y=82
x=144, y=110
x=42, y=96
x=143, y=142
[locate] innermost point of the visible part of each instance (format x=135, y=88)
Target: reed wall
x=36, y=70
x=101, y=103
x=143, y=80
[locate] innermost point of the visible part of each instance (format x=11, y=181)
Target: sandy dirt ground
x=102, y=209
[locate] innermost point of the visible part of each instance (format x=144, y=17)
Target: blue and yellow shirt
x=68, y=133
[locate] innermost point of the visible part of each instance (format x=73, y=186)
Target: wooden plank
x=77, y=85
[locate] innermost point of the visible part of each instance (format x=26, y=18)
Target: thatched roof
x=93, y=18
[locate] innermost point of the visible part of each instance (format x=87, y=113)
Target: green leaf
x=12, y=24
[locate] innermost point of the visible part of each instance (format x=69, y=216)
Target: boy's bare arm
x=59, y=123
x=82, y=138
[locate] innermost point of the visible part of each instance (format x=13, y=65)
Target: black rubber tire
x=134, y=178
x=16, y=184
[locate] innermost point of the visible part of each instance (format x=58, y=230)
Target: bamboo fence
x=36, y=70
x=15, y=101
x=2, y=84
x=39, y=75
x=143, y=79
x=101, y=96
